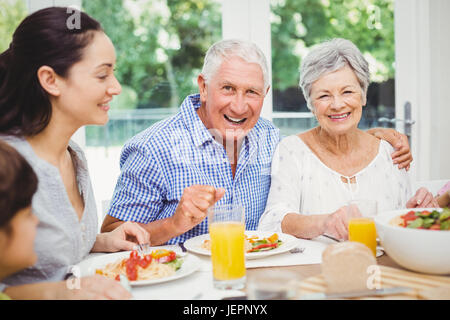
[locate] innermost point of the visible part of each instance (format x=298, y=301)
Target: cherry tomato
x=134, y=255
x=130, y=263
x=143, y=263
x=131, y=269
x=264, y=245
x=117, y=277
x=170, y=257
x=132, y=274
x=410, y=216
x=148, y=258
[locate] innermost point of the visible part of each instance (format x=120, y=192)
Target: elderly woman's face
x=337, y=100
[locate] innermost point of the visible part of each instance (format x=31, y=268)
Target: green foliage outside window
x=299, y=24
x=160, y=44
x=12, y=12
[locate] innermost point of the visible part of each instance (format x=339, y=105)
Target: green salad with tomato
x=426, y=219
x=255, y=244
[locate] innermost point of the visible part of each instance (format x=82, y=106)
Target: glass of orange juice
x=226, y=230
x=362, y=229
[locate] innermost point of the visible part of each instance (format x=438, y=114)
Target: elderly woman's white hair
x=229, y=48
x=328, y=57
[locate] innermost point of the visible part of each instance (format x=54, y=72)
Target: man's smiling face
x=232, y=99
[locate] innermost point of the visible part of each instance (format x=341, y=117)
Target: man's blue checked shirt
x=160, y=162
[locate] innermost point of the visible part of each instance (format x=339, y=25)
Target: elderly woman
x=316, y=173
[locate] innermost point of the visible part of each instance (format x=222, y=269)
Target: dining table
x=303, y=272
x=198, y=285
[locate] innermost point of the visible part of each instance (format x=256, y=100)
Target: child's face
x=17, y=247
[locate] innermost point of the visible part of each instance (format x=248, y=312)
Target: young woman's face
x=90, y=85
x=17, y=245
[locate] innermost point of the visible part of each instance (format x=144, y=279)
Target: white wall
x=34, y=5
x=422, y=41
x=250, y=20
x=439, y=138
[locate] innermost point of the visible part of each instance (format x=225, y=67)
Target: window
x=160, y=47
x=12, y=12
x=298, y=25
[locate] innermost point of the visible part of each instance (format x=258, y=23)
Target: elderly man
x=215, y=149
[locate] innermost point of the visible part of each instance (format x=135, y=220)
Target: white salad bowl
x=426, y=251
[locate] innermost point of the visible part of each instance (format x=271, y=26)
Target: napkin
x=312, y=254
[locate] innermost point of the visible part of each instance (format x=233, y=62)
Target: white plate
x=190, y=265
x=289, y=242
x=380, y=252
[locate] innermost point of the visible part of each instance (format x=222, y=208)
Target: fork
x=125, y=282
x=297, y=250
x=181, y=245
x=143, y=249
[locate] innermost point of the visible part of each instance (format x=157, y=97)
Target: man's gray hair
x=229, y=48
x=328, y=57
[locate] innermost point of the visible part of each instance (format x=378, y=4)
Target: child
x=18, y=183
x=18, y=225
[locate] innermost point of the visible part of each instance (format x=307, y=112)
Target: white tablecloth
x=199, y=285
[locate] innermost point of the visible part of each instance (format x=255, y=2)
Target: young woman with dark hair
x=42, y=39
x=54, y=79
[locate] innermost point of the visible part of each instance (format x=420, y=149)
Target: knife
x=181, y=245
x=355, y=294
x=331, y=237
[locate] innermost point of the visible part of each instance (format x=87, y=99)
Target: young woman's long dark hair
x=18, y=183
x=53, y=37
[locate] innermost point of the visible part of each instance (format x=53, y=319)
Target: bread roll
x=345, y=266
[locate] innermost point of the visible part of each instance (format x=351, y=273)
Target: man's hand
x=193, y=206
x=402, y=154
